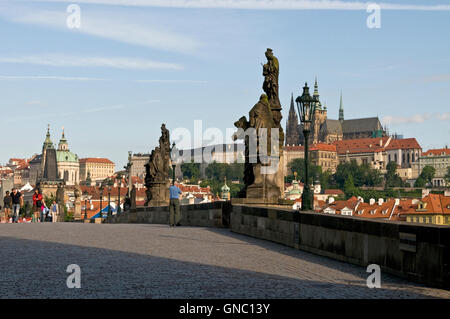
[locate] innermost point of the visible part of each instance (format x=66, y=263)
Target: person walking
x=44, y=212
x=174, y=205
x=37, y=205
x=17, y=203
x=7, y=204
x=54, y=211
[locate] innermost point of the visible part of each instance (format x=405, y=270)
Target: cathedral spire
x=292, y=126
x=317, y=96
x=341, y=110
x=48, y=142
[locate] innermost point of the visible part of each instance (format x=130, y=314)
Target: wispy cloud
x=78, y=61
x=44, y=77
x=262, y=4
x=415, y=119
x=115, y=27
x=444, y=117
x=34, y=102
x=172, y=81
x=438, y=78
x=65, y=114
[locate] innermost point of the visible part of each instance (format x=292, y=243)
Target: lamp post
x=85, y=194
x=119, y=177
x=306, y=107
x=101, y=188
x=109, y=183
x=173, y=160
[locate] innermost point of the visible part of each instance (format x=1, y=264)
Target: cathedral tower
x=292, y=126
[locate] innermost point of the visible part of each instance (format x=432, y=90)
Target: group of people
x=41, y=213
x=13, y=202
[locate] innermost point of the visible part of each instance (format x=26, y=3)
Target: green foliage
x=191, y=171
x=298, y=165
x=68, y=216
x=216, y=187
x=425, y=176
x=392, y=178
x=447, y=176
x=428, y=173
x=363, y=175
x=49, y=200
x=218, y=171
x=420, y=182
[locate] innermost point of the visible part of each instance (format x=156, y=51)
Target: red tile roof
x=405, y=143
x=333, y=192
x=95, y=160
x=323, y=147
x=437, y=152
x=362, y=145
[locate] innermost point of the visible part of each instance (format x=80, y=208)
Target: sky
x=132, y=65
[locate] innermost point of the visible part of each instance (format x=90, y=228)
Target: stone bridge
x=157, y=261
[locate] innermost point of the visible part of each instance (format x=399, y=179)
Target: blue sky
x=130, y=68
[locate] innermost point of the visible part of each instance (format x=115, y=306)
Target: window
x=360, y=212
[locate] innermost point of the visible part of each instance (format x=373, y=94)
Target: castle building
x=98, y=168
x=325, y=130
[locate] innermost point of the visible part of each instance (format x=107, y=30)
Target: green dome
x=295, y=188
x=66, y=156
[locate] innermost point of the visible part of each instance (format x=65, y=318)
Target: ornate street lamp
x=173, y=159
x=101, y=188
x=306, y=107
x=109, y=183
x=119, y=178
x=85, y=194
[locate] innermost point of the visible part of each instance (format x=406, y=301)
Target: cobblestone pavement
x=155, y=261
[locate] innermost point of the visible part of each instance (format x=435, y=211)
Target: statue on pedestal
x=77, y=203
x=263, y=137
x=157, y=172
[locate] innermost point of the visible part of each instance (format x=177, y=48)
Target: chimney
x=397, y=201
x=330, y=200
x=360, y=199
x=380, y=201
x=372, y=201
x=447, y=193
x=425, y=192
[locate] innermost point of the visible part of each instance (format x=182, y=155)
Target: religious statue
x=157, y=171
x=263, y=175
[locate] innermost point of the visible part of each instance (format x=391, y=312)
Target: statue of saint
x=271, y=71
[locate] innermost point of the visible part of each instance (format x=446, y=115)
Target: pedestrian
x=44, y=212
x=7, y=204
x=17, y=203
x=54, y=211
x=37, y=204
x=174, y=205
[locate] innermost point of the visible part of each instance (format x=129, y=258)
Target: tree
x=420, y=182
x=447, y=176
x=349, y=186
x=298, y=165
x=191, y=170
x=428, y=173
x=392, y=178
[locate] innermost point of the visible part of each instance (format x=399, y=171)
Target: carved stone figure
x=157, y=172
x=263, y=175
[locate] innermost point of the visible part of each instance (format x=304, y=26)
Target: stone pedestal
x=77, y=210
x=159, y=192
x=268, y=183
